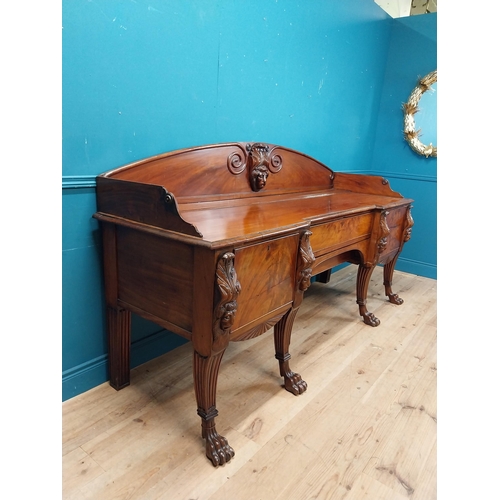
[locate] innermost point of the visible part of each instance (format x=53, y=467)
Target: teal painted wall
x=145, y=77
x=141, y=78
x=412, y=54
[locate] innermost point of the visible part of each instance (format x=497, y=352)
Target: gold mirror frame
x=409, y=109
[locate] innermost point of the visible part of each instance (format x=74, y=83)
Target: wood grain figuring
x=156, y=275
x=365, y=428
x=225, y=222
x=219, y=243
x=144, y=203
x=275, y=284
x=181, y=169
x=341, y=233
x=368, y=184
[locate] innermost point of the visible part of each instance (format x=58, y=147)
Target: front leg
x=118, y=323
x=363, y=279
x=388, y=273
x=389, y=266
x=283, y=329
x=206, y=371
x=282, y=335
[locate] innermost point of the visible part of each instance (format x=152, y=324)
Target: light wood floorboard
x=364, y=429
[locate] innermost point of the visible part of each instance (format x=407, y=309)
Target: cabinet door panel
x=266, y=272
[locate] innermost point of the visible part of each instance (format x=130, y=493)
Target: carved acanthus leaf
x=409, y=225
x=229, y=288
x=306, y=261
x=384, y=232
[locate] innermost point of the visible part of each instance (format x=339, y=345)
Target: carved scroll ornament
x=261, y=162
x=229, y=288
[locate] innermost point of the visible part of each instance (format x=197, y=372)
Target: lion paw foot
x=395, y=299
x=294, y=383
x=370, y=319
x=218, y=449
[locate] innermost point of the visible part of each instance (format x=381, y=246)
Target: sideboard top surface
x=210, y=192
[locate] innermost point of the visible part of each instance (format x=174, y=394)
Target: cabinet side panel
x=155, y=274
x=395, y=222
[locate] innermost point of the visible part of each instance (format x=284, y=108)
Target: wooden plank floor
x=365, y=427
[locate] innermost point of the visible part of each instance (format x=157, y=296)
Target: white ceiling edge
x=395, y=8
x=404, y=8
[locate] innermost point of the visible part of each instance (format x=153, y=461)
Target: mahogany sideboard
x=218, y=243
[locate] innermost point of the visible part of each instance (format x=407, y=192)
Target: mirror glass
x=425, y=119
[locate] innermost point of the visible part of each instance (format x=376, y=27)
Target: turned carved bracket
x=305, y=263
x=384, y=232
x=228, y=288
x=260, y=160
x=409, y=225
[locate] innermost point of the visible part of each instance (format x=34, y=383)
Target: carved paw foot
x=294, y=383
x=370, y=319
x=217, y=448
x=395, y=299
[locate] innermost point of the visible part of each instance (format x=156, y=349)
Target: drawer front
x=266, y=272
x=340, y=233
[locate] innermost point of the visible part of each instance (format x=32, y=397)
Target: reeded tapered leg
x=388, y=273
x=206, y=371
x=363, y=280
x=282, y=335
x=118, y=321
